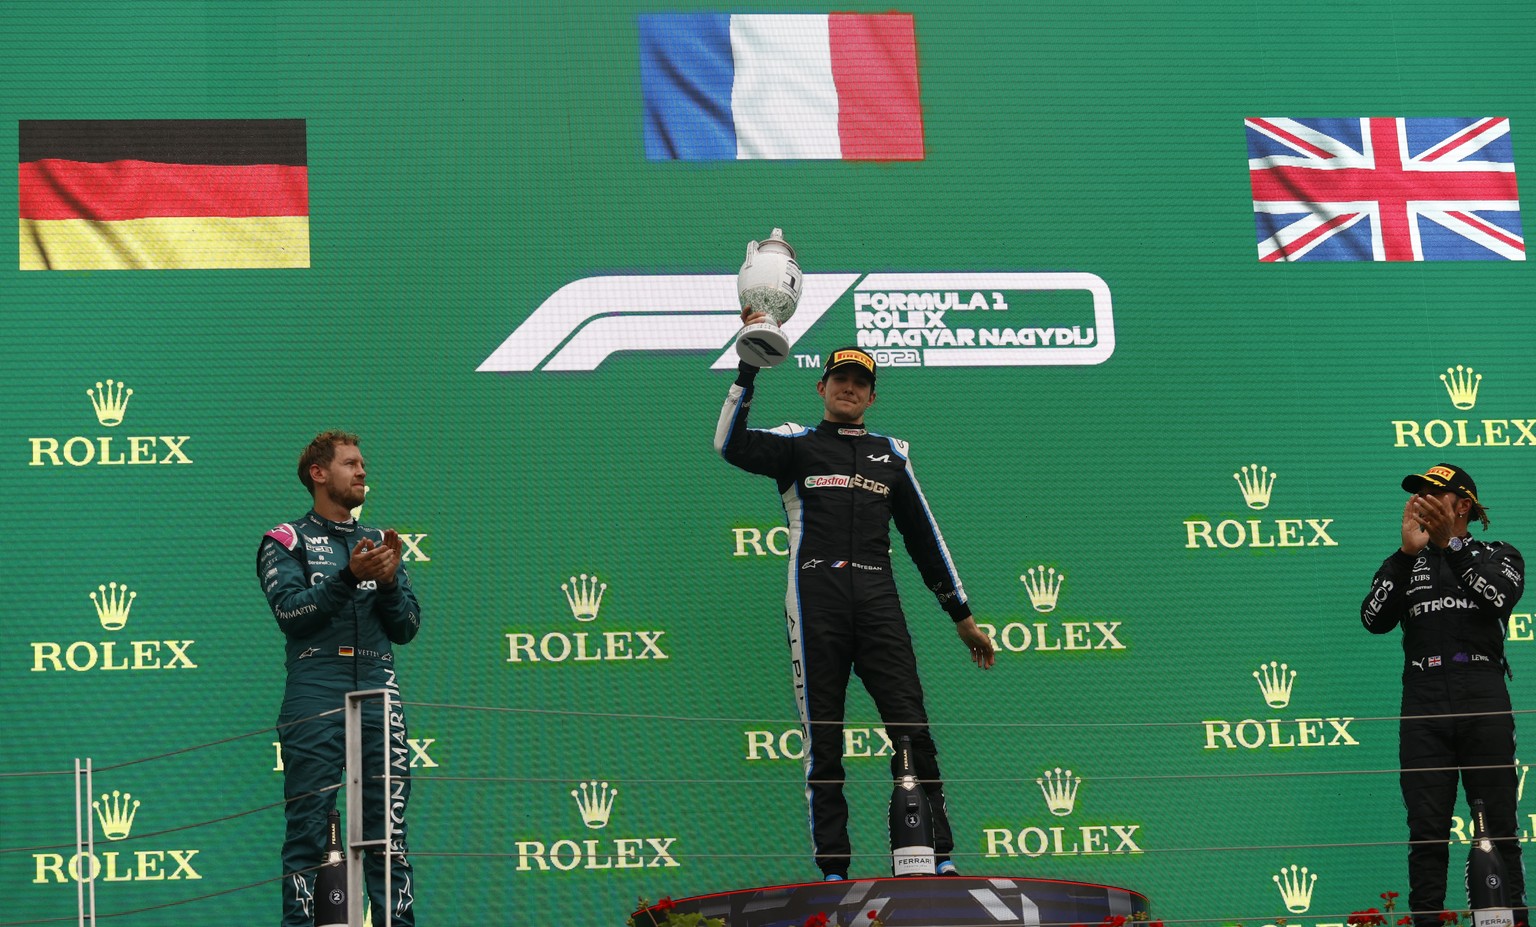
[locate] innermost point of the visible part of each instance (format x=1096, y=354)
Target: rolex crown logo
x=1462, y=383
x=110, y=402
x=1043, y=586
x=116, y=814
x=595, y=800
x=1257, y=483
x=1060, y=790
x=1295, y=888
x=1275, y=681
x=112, y=604
x=585, y=595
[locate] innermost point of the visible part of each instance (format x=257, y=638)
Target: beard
x=347, y=497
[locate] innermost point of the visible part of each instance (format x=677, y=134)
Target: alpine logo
x=984, y=319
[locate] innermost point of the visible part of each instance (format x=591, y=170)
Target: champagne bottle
x=1486, y=890
x=331, y=879
x=911, y=819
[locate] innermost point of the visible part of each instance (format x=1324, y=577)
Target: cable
x=215, y=743
x=571, y=712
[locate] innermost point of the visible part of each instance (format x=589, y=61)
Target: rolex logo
x=1060, y=790
x=595, y=799
x=585, y=596
x=1295, y=888
x=110, y=402
x=112, y=605
x=1043, y=586
x=1257, y=483
x=116, y=814
x=1462, y=383
x=1048, y=838
x=1274, y=683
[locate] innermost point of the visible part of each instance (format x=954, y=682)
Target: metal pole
x=355, y=842
x=388, y=819
x=79, y=848
x=90, y=843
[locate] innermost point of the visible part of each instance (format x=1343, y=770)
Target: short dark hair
x=320, y=452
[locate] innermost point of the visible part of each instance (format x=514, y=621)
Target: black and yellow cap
x=1447, y=478
x=850, y=357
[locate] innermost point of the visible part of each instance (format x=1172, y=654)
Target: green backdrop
x=467, y=161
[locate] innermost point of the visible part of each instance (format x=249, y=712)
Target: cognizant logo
x=984, y=319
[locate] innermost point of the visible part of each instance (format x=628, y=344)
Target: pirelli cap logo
x=109, y=403
x=852, y=357
x=1444, y=473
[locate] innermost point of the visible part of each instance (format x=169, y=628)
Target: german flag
x=163, y=194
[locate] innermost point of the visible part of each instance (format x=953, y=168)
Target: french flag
x=725, y=87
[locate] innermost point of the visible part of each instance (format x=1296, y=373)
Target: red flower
x=1449, y=917
x=871, y=914
x=1405, y=919
x=664, y=905
x=1115, y=920
x=816, y=920
x=1388, y=896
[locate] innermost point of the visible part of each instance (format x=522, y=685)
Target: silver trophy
x=769, y=282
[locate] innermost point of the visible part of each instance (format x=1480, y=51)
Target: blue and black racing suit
x=841, y=486
x=339, y=634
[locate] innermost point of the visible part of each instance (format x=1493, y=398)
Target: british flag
x=1384, y=189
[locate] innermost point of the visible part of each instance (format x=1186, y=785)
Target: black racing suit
x=339, y=633
x=1453, y=607
x=841, y=486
